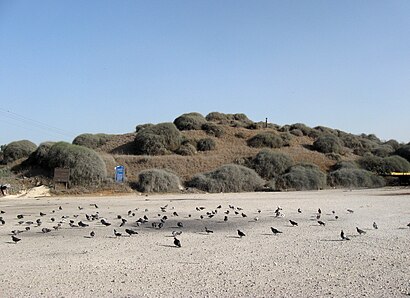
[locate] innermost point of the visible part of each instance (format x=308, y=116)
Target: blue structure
x=119, y=174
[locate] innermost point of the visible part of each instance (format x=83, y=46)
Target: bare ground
x=304, y=261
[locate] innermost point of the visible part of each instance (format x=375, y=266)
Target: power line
x=25, y=121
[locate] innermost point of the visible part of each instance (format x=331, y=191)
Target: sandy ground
x=304, y=261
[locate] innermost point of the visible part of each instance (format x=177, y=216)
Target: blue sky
x=72, y=67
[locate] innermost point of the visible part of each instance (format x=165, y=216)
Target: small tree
x=190, y=121
x=328, y=144
x=270, y=164
x=157, y=180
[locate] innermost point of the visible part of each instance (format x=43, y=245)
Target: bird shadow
x=167, y=245
x=89, y=237
x=266, y=234
x=331, y=240
x=236, y=237
x=10, y=242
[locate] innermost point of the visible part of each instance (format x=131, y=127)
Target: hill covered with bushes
x=214, y=153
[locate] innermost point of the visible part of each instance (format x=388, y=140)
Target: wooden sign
x=62, y=175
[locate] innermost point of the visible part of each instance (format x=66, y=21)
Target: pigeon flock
x=127, y=225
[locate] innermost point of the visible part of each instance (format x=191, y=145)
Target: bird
x=175, y=213
x=350, y=210
x=105, y=223
x=293, y=223
x=343, y=236
x=15, y=239
x=360, y=231
x=241, y=234
x=318, y=216
x=176, y=233
x=2, y=211
x=20, y=216
x=208, y=230
x=321, y=223
x=375, y=225
x=319, y=211
x=117, y=234
x=130, y=232
x=226, y=218
x=80, y=208
x=177, y=242
x=336, y=217
x=180, y=225
x=275, y=231
x=60, y=208
x=256, y=218
x=92, y=234
x=219, y=207
x=299, y=210
x=408, y=224
x=45, y=230
x=42, y=214
x=123, y=221
x=243, y=215
x=82, y=224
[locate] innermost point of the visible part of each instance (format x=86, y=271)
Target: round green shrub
x=302, y=177
x=86, y=166
x=354, y=177
x=296, y=132
x=404, y=151
x=236, y=120
x=206, y=144
x=351, y=141
x=92, y=141
x=344, y=165
x=328, y=144
x=326, y=130
x=18, y=149
x=302, y=127
x=383, y=150
x=213, y=129
x=392, y=143
x=140, y=127
x=190, y=121
x=40, y=155
x=158, y=139
x=269, y=164
x=157, y=180
x=372, y=163
x=228, y=178
x=396, y=163
x=186, y=149
x=265, y=139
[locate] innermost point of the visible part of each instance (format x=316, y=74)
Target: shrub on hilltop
x=190, y=121
x=158, y=139
x=213, y=129
x=18, y=149
x=158, y=180
x=266, y=139
x=206, y=144
x=328, y=144
x=404, y=151
x=92, y=141
x=40, y=155
x=236, y=120
x=270, y=164
x=86, y=166
x=228, y=178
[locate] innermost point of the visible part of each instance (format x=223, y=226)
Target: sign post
x=119, y=174
x=62, y=175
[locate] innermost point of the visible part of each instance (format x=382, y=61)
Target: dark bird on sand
x=117, y=234
x=45, y=230
x=226, y=218
x=408, y=224
x=360, y=231
x=20, y=216
x=130, y=232
x=299, y=210
x=180, y=225
x=123, y=222
x=60, y=208
x=275, y=231
x=318, y=216
x=2, y=211
x=82, y=224
x=105, y=223
x=321, y=223
x=208, y=230
x=343, y=236
x=219, y=207
x=42, y=214
x=92, y=234
x=319, y=211
x=375, y=226
x=241, y=234
x=350, y=210
x=177, y=242
x=80, y=208
x=336, y=217
x=244, y=215
x=293, y=223
x=15, y=239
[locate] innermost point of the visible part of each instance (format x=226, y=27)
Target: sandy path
x=304, y=261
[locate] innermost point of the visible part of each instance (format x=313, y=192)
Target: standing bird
x=241, y=234
x=15, y=239
x=105, y=223
x=375, y=225
x=92, y=234
x=321, y=223
x=82, y=224
x=299, y=210
x=293, y=223
x=343, y=236
x=319, y=211
x=360, y=231
x=117, y=234
x=408, y=224
x=177, y=242
x=275, y=231
x=180, y=225
x=123, y=221
x=226, y=218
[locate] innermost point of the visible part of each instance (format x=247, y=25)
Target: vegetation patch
x=266, y=139
x=206, y=144
x=302, y=177
x=328, y=144
x=190, y=121
x=354, y=178
x=158, y=180
x=228, y=178
x=92, y=141
x=270, y=164
x=17, y=149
